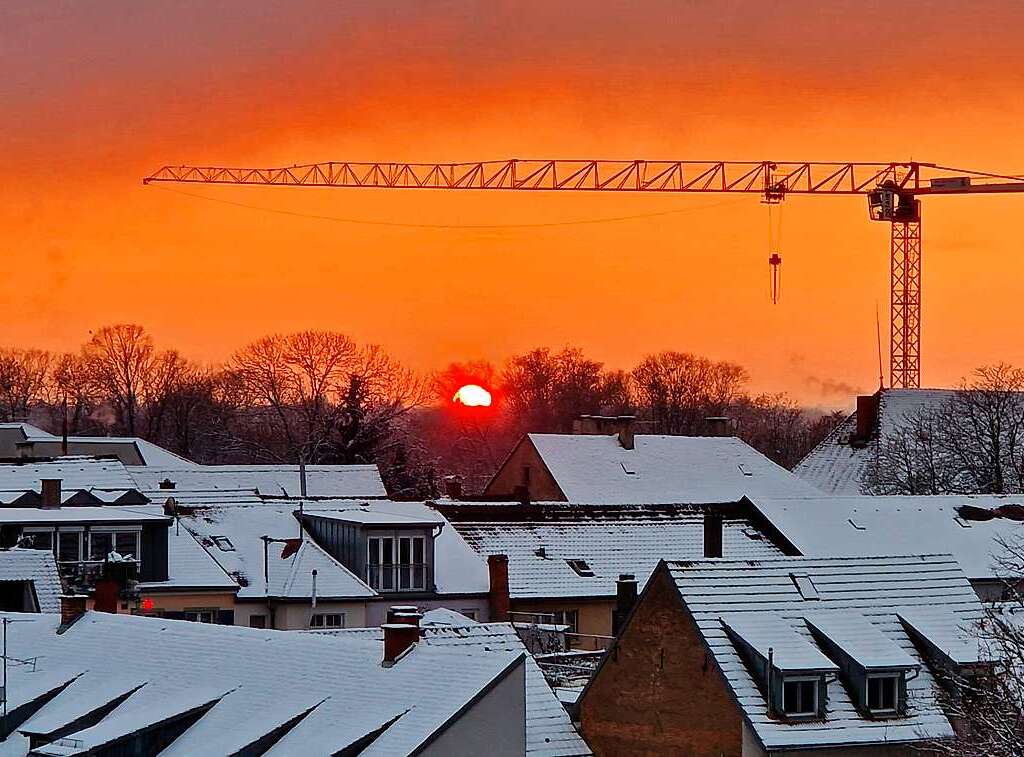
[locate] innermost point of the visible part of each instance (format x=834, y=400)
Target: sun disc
x=473, y=395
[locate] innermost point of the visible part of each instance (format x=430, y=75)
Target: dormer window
x=800, y=696
x=883, y=694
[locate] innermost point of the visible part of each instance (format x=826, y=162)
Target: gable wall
x=542, y=488
x=657, y=692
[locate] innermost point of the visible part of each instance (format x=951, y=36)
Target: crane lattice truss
x=892, y=190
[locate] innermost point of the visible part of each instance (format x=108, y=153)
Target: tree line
x=320, y=397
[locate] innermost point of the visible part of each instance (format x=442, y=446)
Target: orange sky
x=97, y=95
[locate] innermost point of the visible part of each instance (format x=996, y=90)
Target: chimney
x=453, y=487
x=625, y=598
x=51, y=493
x=867, y=416
x=166, y=484
x=498, y=598
x=712, y=535
x=395, y=610
x=625, y=430
x=72, y=607
x=398, y=638
x=409, y=618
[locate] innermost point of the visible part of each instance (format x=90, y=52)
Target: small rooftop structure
x=29, y=581
x=26, y=440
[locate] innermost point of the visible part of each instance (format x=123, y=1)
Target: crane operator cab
x=887, y=203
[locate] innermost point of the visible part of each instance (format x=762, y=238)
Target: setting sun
x=473, y=395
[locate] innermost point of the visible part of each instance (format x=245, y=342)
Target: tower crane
x=893, y=192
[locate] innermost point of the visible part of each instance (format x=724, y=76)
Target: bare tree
x=971, y=443
x=119, y=363
x=24, y=377
x=679, y=390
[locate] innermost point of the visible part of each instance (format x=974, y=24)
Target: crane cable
x=486, y=226
x=774, y=258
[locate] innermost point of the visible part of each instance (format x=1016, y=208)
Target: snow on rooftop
x=337, y=683
x=442, y=616
x=97, y=514
x=609, y=540
x=189, y=566
x=836, y=467
x=74, y=472
x=860, y=525
x=662, y=469
x=350, y=481
x=860, y=639
x=875, y=590
x=37, y=566
x=549, y=731
x=770, y=636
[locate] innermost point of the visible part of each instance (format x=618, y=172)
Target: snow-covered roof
x=74, y=472
x=662, y=469
x=850, y=592
x=233, y=537
x=319, y=695
x=202, y=498
x=38, y=567
x=610, y=540
x=862, y=525
x=189, y=566
x=442, y=616
x=146, y=451
x=549, y=731
x=837, y=467
x=352, y=481
x=98, y=514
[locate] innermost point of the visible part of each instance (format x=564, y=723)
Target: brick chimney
x=398, y=638
x=453, y=487
x=50, y=491
x=625, y=598
x=72, y=607
x=400, y=610
x=409, y=618
x=712, y=535
x=498, y=597
x=606, y=425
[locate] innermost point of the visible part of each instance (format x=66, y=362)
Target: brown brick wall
x=542, y=487
x=657, y=694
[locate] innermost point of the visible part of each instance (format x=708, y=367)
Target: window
x=327, y=620
x=69, y=546
x=566, y=618
x=883, y=693
x=41, y=538
x=471, y=614
x=804, y=585
x=223, y=544
x=581, y=567
x=257, y=621
x=201, y=615
x=103, y=542
x=800, y=696
x=397, y=563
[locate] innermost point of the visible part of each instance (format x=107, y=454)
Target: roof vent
x=581, y=567
x=541, y=552
x=166, y=484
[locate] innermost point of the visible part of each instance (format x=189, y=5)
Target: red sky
x=97, y=95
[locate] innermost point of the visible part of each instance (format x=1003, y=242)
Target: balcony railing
x=85, y=572
x=405, y=577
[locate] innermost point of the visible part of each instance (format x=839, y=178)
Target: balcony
x=397, y=578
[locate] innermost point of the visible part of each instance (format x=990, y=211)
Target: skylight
x=804, y=585
x=581, y=567
x=224, y=544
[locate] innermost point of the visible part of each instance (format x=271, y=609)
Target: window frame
x=34, y=531
x=397, y=576
x=324, y=625
x=114, y=531
x=882, y=711
x=815, y=682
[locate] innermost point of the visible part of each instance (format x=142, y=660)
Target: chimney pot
x=712, y=535
x=498, y=596
x=453, y=487
x=398, y=610
x=50, y=491
x=398, y=638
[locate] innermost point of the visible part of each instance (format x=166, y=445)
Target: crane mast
x=892, y=190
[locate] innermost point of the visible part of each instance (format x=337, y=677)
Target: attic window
x=883, y=694
x=800, y=696
x=804, y=585
x=856, y=525
x=581, y=568
x=224, y=544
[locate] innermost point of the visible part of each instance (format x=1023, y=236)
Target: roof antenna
x=878, y=335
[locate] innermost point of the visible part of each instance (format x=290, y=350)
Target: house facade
x=841, y=657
